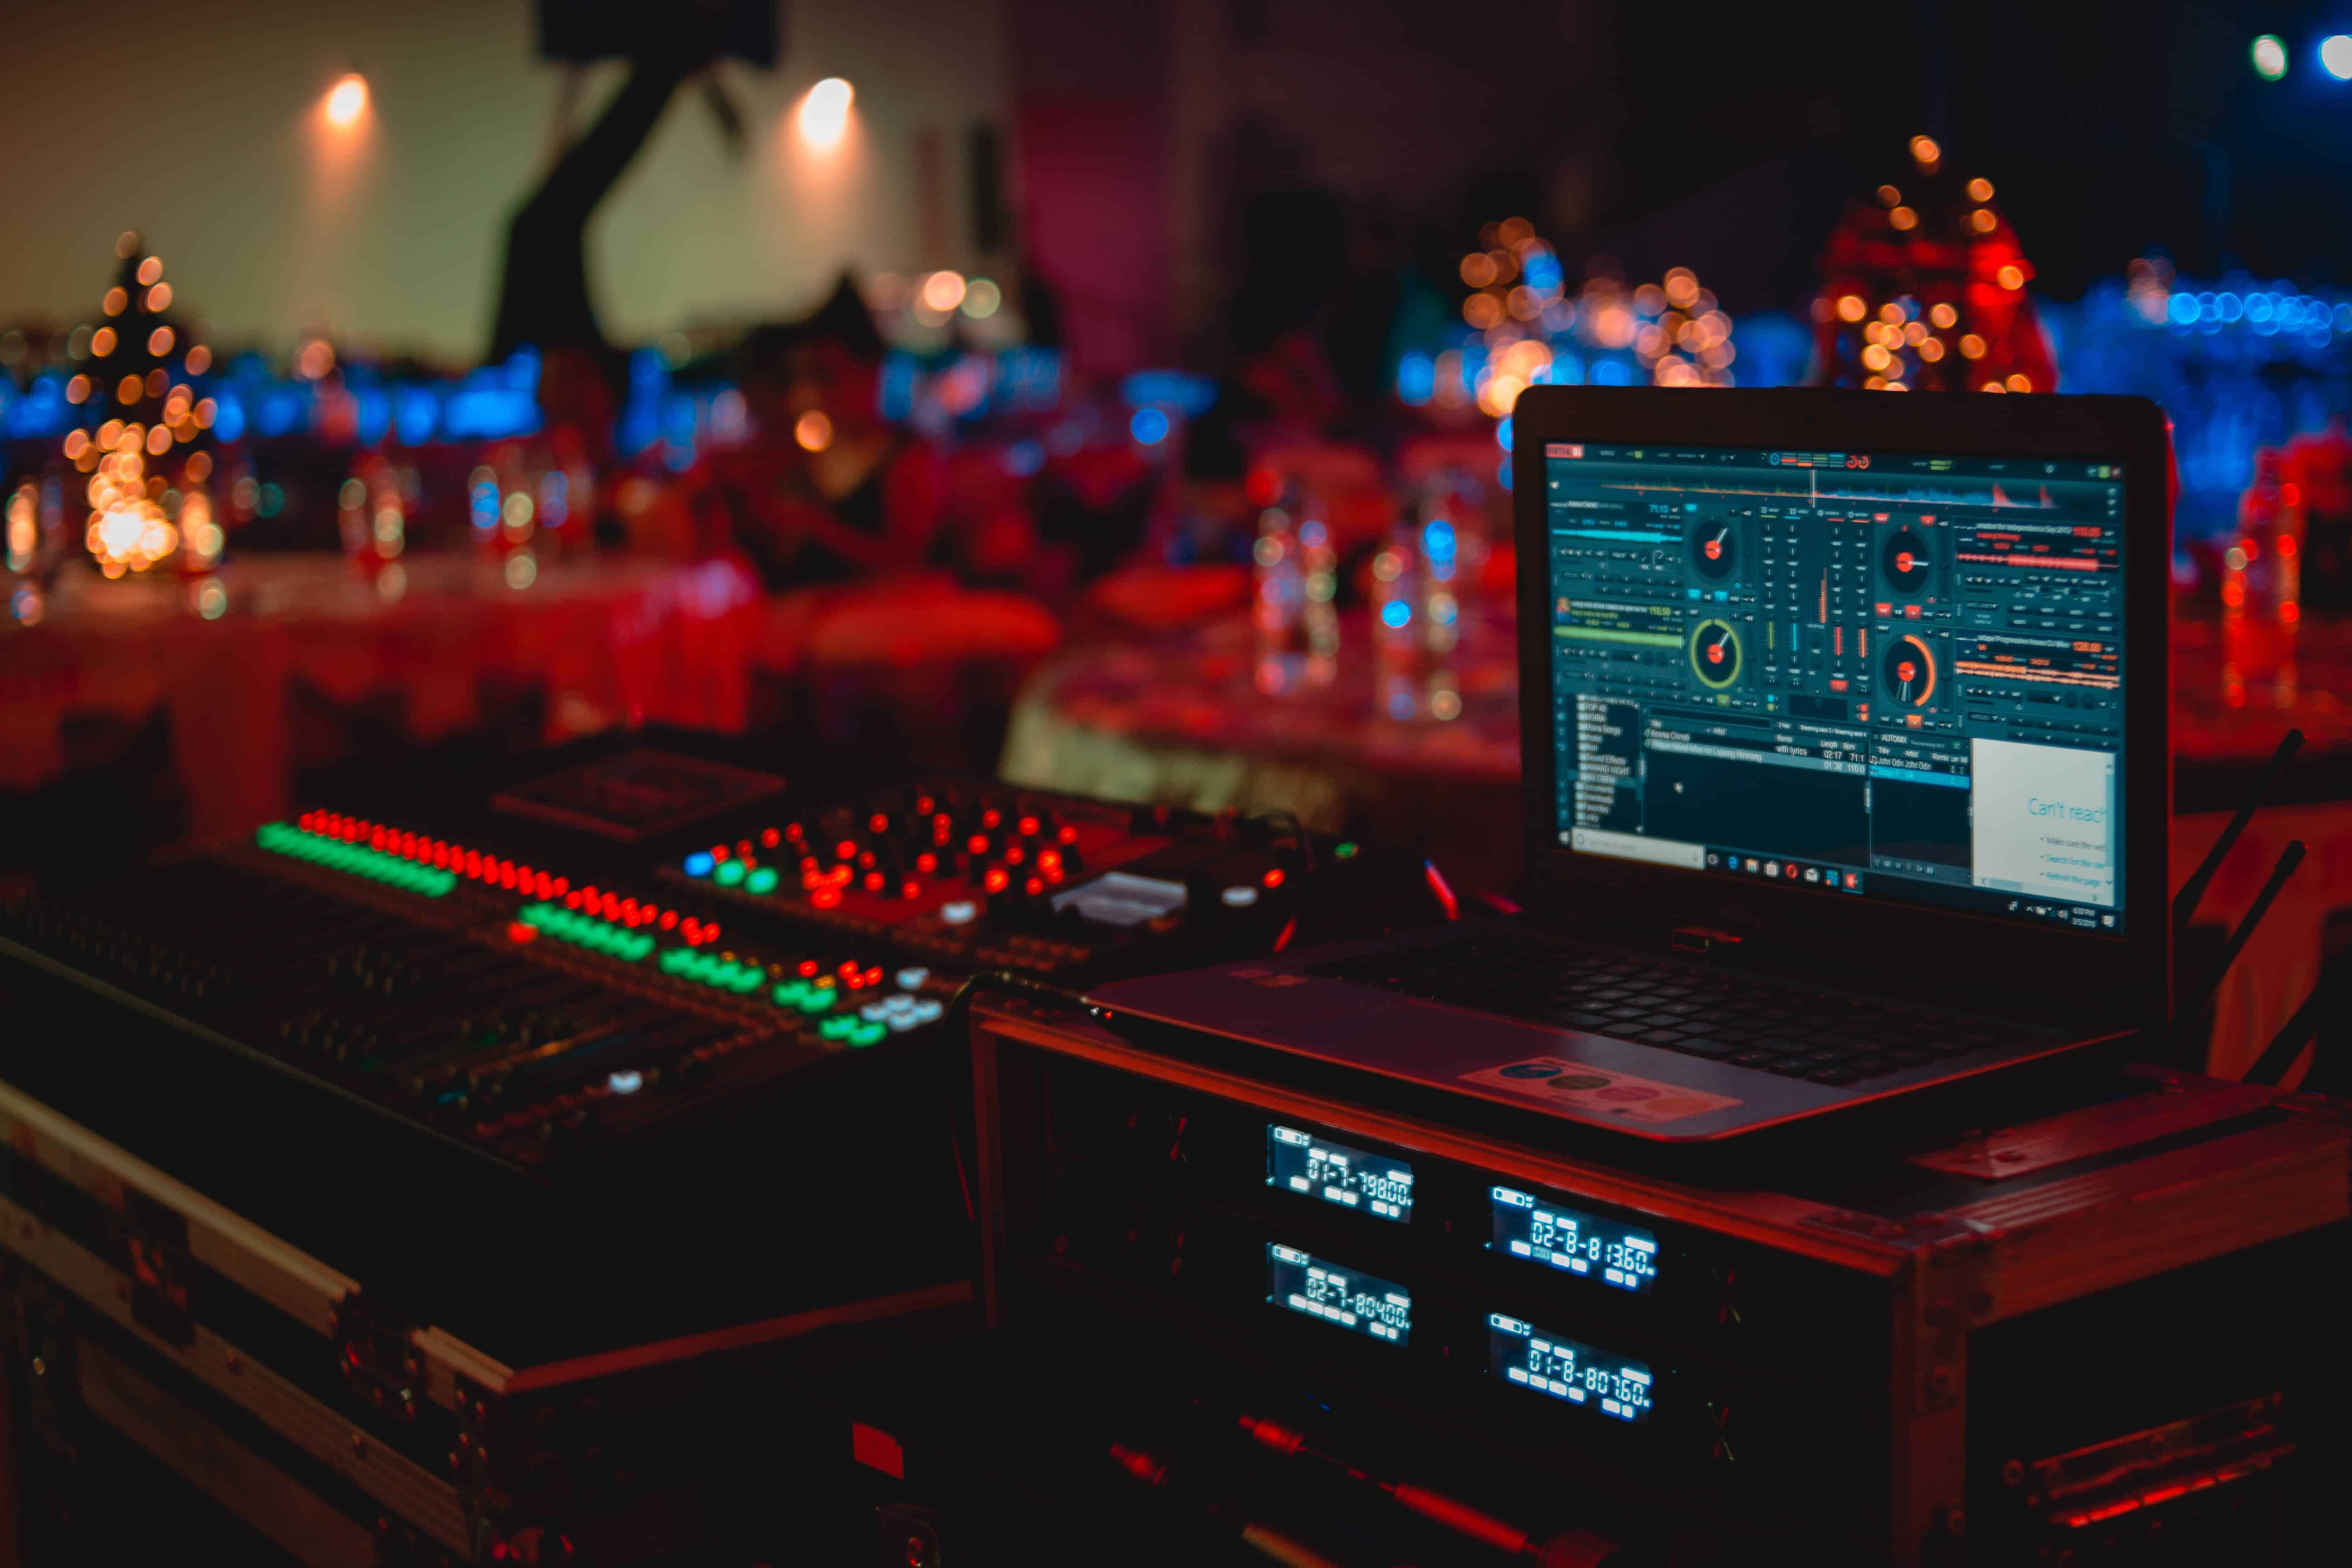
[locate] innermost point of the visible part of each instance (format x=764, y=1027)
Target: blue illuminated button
x=1239, y=898
x=912, y=979
x=927, y=1010
x=699, y=863
x=960, y=911
x=873, y=1012
x=628, y=1080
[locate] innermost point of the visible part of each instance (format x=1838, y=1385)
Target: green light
x=867, y=1034
x=1344, y=851
x=281, y=839
x=594, y=934
x=763, y=880
x=729, y=872
x=2270, y=57
x=790, y=994
x=817, y=1000
x=839, y=1027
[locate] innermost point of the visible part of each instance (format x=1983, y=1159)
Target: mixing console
x=494, y=1001
x=534, y=991
x=983, y=875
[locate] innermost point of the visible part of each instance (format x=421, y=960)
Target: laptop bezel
x=1985, y=962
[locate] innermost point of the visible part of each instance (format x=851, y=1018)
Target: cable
x=2192, y=892
x=2289, y=858
x=1017, y=984
x=2280, y=1054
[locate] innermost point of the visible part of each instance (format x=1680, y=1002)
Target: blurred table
x=1176, y=719
x=2236, y=690
x=606, y=642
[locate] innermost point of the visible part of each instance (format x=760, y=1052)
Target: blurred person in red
x=827, y=490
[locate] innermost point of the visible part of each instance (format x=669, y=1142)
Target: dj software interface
x=1882, y=674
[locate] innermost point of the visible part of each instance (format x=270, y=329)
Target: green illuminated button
x=791, y=992
x=838, y=1028
x=390, y=869
x=763, y=880
x=867, y=1034
x=817, y=1001
x=728, y=874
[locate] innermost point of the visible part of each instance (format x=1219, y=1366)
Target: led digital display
x=1353, y=1178
x=1561, y=1368
x=1299, y=1282
x=1545, y=1232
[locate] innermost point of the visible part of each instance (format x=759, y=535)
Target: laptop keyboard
x=1741, y=1019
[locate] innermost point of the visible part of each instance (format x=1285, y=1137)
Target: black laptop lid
x=1878, y=684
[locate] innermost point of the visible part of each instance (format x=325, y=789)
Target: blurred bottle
x=1318, y=560
x=2265, y=558
x=372, y=512
x=2262, y=579
x=1453, y=539
x=1401, y=593
x=1296, y=572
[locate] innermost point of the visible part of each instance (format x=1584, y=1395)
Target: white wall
x=200, y=126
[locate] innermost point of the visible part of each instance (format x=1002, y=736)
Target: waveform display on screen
x=1993, y=496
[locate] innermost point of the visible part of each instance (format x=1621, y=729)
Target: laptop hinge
x=1705, y=942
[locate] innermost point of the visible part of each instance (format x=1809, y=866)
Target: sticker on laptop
x=1597, y=1091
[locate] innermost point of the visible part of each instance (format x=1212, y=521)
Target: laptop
x=1844, y=723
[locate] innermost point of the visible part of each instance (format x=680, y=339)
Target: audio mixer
x=528, y=986
x=470, y=1174
x=974, y=874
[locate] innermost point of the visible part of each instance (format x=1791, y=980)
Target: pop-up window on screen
x=2044, y=821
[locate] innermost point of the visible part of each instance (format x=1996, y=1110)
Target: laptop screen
x=1875, y=675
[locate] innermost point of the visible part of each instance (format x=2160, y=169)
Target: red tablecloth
x=608, y=642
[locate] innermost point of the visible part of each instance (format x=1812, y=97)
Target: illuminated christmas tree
x=1924, y=289
x=145, y=440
